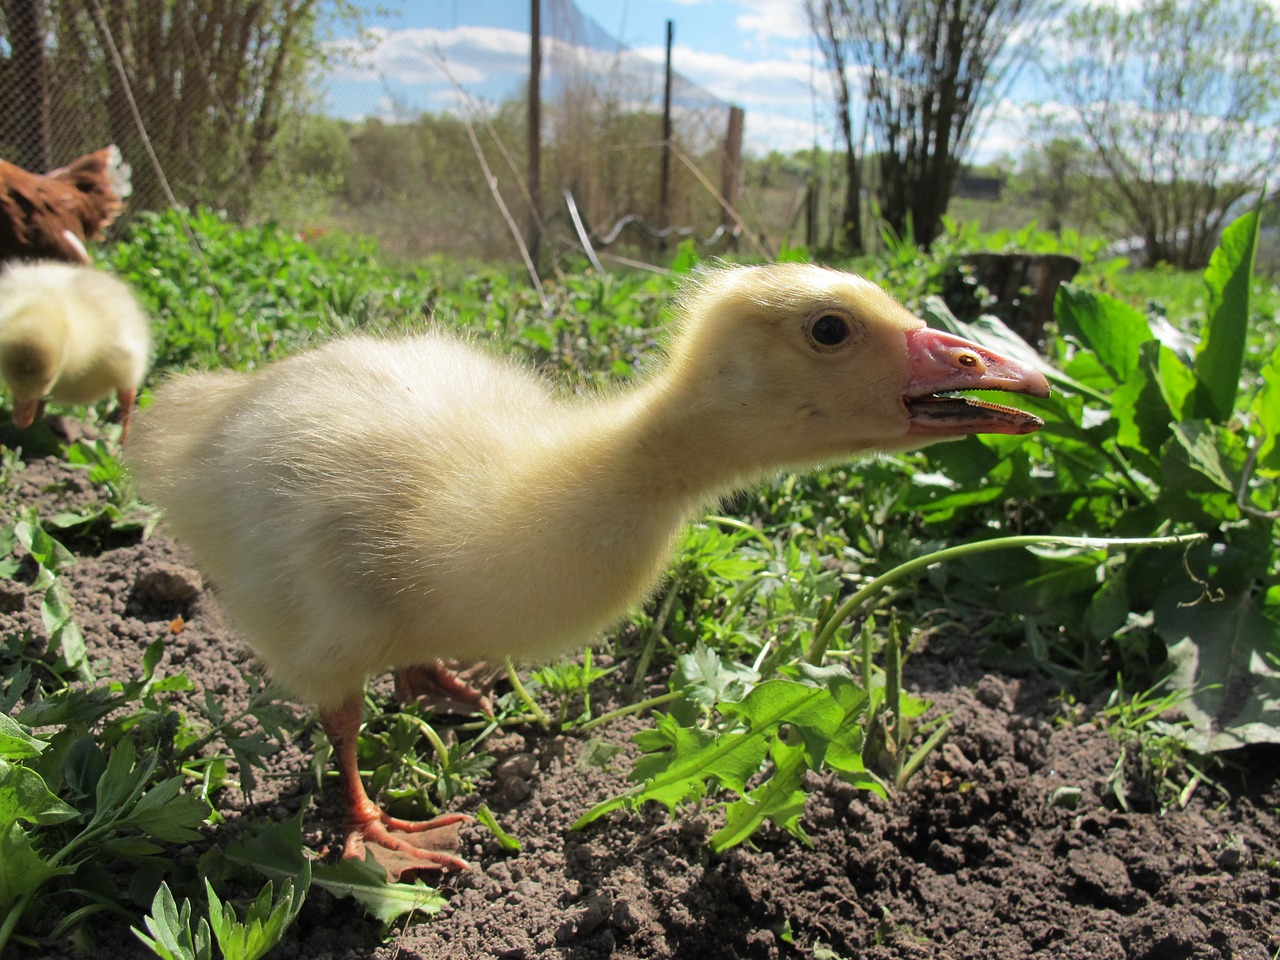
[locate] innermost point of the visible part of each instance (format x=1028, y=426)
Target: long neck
x=580, y=525
x=658, y=447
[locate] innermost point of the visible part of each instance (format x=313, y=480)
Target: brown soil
x=974, y=859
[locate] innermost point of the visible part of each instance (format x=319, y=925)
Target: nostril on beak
x=969, y=361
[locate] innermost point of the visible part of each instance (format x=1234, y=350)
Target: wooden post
x=731, y=166
x=534, y=173
x=664, y=185
x=26, y=20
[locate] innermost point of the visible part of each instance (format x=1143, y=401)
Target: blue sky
x=755, y=53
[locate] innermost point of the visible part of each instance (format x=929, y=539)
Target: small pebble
x=522, y=765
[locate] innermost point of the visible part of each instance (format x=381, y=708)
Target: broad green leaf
x=120, y=781
x=83, y=765
x=16, y=743
x=22, y=869
x=274, y=849
x=1198, y=446
x=1177, y=383
x=695, y=757
x=367, y=882
x=1221, y=353
x=166, y=813
x=45, y=550
x=780, y=798
x=1266, y=408
x=1139, y=404
x=1225, y=655
x=811, y=710
x=1113, y=330
x=24, y=796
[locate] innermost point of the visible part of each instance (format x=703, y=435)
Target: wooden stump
x=1023, y=284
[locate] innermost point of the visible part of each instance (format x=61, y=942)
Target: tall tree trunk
x=26, y=20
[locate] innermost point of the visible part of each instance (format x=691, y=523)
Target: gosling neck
x=669, y=444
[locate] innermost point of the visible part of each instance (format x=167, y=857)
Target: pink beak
x=940, y=362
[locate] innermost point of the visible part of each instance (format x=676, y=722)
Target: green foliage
x=266, y=919
x=93, y=772
x=683, y=760
x=1157, y=432
x=1154, y=767
x=50, y=556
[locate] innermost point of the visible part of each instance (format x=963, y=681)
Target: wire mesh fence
x=412, y=124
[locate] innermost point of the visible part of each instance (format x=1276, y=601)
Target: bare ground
x=974, y=859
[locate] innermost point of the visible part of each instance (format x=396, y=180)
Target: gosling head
x=30, y=366
x=815, y=364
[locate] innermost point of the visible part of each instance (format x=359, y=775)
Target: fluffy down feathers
x=72, y=333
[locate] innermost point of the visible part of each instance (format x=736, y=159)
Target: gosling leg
x=367, y=823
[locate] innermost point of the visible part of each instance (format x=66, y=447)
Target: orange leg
x=125, y=399
x=366, y=821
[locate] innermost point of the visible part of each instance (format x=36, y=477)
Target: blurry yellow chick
x=73, y=333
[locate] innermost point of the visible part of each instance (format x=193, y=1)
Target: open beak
x=941, y=363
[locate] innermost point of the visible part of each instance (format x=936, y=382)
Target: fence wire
x=283, y=109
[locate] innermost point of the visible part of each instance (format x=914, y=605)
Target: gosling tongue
x=941, y=362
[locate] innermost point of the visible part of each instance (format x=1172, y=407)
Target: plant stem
x=543, y=720
x=916, y=759
x=630, y=708
x=428, y=731
x=873, y=586
x=747, y=529
x=655, y=631
x=11, y=919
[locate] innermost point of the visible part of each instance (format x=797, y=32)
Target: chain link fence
x=411, y=125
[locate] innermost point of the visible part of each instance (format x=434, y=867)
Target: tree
x=930, y=71
x=822, y=18
x=23, y=23
x=1180, y=99
x=210, y=83
x=1054, y=172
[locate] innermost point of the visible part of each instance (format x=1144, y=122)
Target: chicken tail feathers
x=103, y=180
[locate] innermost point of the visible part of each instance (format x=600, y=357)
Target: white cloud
x=473, y=54
x=766, y=131
x=773, y=19
x=742, y=81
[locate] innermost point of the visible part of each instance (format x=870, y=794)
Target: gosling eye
x=829, y=329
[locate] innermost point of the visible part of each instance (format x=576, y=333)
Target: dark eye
x=829, y=330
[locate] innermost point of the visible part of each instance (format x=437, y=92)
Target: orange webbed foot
x=407, y=846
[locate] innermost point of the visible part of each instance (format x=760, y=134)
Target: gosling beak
x=940, y=363
x=24, y=412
